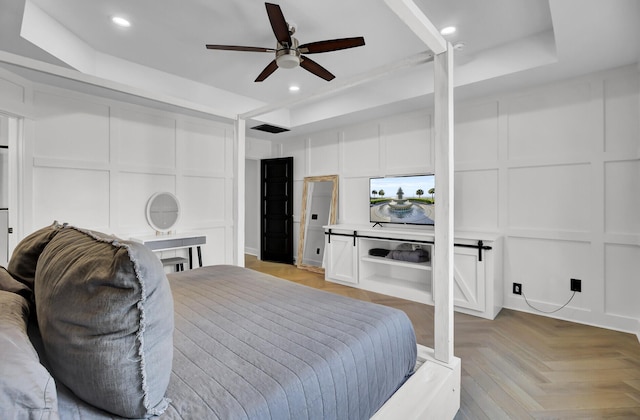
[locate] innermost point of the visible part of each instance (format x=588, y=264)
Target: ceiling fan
x=289, y=52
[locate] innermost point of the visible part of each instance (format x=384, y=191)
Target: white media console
x=478, y=288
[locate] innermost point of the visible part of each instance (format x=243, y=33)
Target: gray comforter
x=251, y=346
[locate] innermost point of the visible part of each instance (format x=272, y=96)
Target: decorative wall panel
x=325, y=159
x=203, y=201
x=555, y=198
x=476, y=133
x=622, y=197
x=408, y=144
x=361, y=150
x=71, y=129
x=475, y=200
x=145, y=140
x=622, y=114
x=203, y=148
x=545, y=267
x=555, y=121
x=78, y=197
x=622, y=288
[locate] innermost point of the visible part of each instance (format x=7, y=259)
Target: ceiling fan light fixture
x=288, y=59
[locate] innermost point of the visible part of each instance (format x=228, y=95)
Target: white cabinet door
x=342, y=261
x=469, y=279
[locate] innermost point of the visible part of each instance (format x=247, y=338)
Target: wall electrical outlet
x=576, y=285
x=517, y=288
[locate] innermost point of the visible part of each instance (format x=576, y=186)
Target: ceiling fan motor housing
x=288, y=58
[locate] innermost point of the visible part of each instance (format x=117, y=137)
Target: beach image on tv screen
x=402, y=199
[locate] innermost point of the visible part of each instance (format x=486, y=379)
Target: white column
x=443, y=250
x=239, y=190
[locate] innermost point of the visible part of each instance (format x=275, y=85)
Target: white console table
x=478, y=288
x=172, y=242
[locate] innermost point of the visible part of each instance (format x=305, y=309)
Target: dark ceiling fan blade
x=331, y=45
x=278, y=24
x=315, y=68
x=271, y=67
x=238, y=48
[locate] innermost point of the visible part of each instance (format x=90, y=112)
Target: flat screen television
x=402, y=199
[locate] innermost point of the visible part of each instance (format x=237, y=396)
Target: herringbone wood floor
x=520, y=366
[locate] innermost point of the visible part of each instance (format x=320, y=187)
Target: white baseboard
x=251, y=251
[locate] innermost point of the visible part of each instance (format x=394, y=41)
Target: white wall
x=95, y=162
x=555, y=170
x=252, y=207
x=256, y=149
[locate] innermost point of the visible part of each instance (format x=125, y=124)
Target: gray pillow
x=22, y=265
x=27, y=390
x=105, y=313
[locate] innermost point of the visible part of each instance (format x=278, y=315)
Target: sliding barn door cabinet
x=355, y=257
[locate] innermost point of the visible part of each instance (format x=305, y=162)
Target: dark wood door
x=276, y=242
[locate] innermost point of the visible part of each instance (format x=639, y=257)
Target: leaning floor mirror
x=319, y=208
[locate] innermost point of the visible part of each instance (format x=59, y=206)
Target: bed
x=251, y=346
x=115, y=337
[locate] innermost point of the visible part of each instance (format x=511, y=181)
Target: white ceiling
x=507, y=43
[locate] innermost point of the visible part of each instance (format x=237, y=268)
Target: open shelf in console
x=388, y=261
x=405, y=279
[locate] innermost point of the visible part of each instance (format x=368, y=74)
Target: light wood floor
x=520, y=366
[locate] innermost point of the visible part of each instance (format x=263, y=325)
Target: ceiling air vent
x=270, y=128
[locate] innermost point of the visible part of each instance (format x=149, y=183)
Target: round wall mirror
x=163, y=211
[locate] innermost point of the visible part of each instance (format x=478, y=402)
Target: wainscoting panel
x=476, y=133
x=408, y=145
x=71, y=128
x=202, y=148
x=557, y=122
x=622, y=289
x=145, y=140
x=622, y=197
x=79, y=197
x=545, y=267
x=622, y=110
x=473, y=208
x=361, y=150
x=202, y=200
x=326, y=157
x=353, y=203
x=550, y=198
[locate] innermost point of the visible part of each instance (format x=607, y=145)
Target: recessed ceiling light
x=120, y=21
x=294, y=88
x=448, y=30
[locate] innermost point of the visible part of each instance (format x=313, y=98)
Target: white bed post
x=443, y=261
x=239, y=189
x=413, y=17
x=433, y=392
